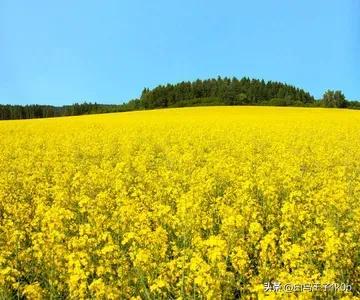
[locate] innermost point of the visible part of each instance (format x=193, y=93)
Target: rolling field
x=192, y=203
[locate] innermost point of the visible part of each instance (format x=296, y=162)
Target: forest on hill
x=216, y=91
x=224, y=91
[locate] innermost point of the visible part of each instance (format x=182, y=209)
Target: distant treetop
x=224, y=91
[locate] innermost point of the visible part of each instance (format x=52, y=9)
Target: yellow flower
x=207, y=203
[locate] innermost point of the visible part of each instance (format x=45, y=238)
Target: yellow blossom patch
x=193, y=203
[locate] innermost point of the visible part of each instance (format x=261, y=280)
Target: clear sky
x=60, y=52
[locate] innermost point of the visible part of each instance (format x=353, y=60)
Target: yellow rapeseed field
x=192, y=203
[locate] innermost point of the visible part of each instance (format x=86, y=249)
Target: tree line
x=216, y=91
x=224, y=91
x=11, y=112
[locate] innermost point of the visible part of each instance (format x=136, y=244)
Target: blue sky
x=60, y=52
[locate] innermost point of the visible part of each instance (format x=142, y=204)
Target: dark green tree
x=334, y=99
